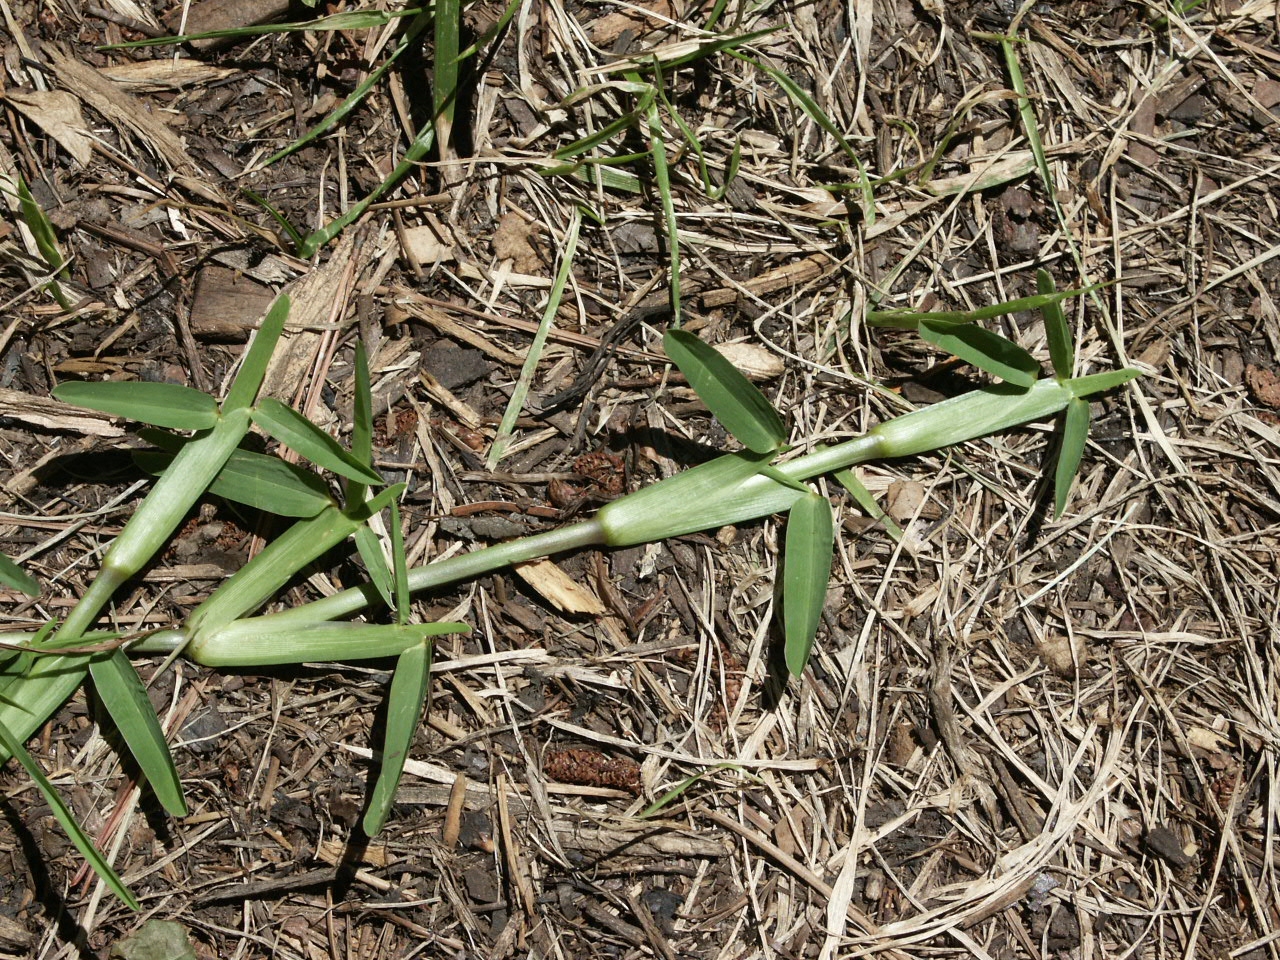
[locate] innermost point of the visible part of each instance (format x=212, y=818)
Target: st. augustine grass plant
x=39, y=672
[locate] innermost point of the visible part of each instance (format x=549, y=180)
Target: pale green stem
x=690, y=500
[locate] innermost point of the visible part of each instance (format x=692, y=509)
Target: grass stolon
x=42, y=671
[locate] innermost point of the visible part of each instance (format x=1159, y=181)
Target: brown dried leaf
x=57, y=113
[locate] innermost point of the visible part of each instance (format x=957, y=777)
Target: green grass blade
x=46, y=239
x=283, y=559
x=400, y=566
x=41, y=229
x=417, y=151
x=805, y=102
x=1101, y=382
x=254, y=366
x=806, y=569
x=410, y=684
x=303, y=437
x=676, y=792
x=590, y=142
x=375, y=563
x=444, y=78
x=274, y=213
x=863, y=498
x=1027, y=114
x=731, y=397
x=662, y=179
x=254, y=479
x=161, y=404
x=986, y=350
x=1075, y=431
x=13, y=747
x=353, y=99
x=12, y=575
x=909, y=319
x=122, y=693
x=707, y=496
x=262, y=642
x=1056, y=329
x=506, y=429
x=362, y=414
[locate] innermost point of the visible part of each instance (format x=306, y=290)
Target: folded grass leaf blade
x=264, y=642
x=506, y=429
x=13, y=747
x=910, y=319
x=46, y=240
x=399, y=566
x=160, y=404
x=121, y=691
x=410, y=684
x=253, y=479
x=731, y=397
x=12, y=575
x=375, y=563
x=806, y=569
x=986, y=350
x=1075, y=431
x=362, y=411
x=292, y=552
x=303, y=437
x=1101, y=382
x=676, y=792
x=863, y=498
x=253, y=368
x=1056, y=329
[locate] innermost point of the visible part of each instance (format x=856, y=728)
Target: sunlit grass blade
x=356, y=96
x=121, y=691
x=863, y=498
x=1056, y=330
x=303, y=437
x=734, y=400
x=1100, y=382
x=997, y=355
x=262, y=642
x=160, y=404
x=254, y=479
x=1075, y=431
x=676, y=792
x=253, y=368
x=1027, y=114
x=410, y=684
x=281, y=560
x=806, y=570
x=704, y=497
x=13, y=747
x=506, y=429
x=662, y=181
x=12, y=575
x=416, y=153
x=606, y=133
